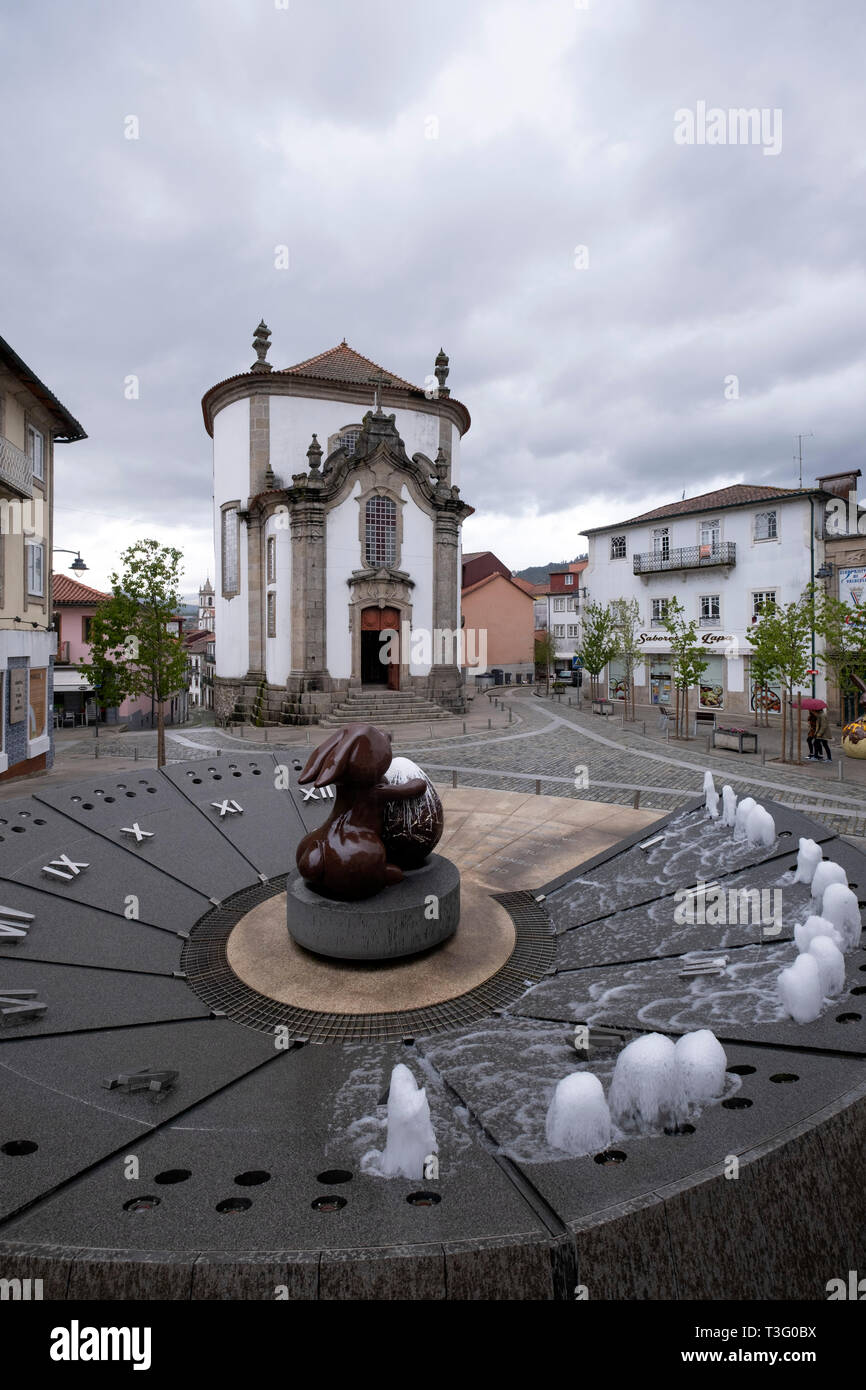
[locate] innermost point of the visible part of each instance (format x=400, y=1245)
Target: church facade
x=337, y=523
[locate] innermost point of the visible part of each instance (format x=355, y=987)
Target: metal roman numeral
x=227, y=807
x=145, y=1080
x=16, y=1005
x=64, y=867
x=14, y=924
x=136, y=830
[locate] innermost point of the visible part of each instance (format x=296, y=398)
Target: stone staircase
x=383, y=707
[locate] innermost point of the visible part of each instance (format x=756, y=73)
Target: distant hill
x=536, y=574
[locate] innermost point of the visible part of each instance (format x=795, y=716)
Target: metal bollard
x=707, y=739
x=643, y=727
x=454, y=779
x=538, y=786
x=490, y=723
x=510, y=713
x=464, y=726
x=763, y=757
x=243, y=732
x=636, y=800
x=135, y=757
x=841, y=766
x=266, y=735
x=96, y=750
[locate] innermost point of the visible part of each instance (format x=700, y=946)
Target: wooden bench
x=602, y=707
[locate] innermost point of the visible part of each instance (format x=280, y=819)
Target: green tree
x=598, y=645
x=687, y=658
x=133, y=652
x=625, y=616
x=844, y=631
x=545, y=656
x=781, y=641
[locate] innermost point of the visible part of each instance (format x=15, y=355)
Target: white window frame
x=619, y=547
x=775, y=526
x=710, y=535
x=33, y=546
x=559, y=605
x=559, y=630
x=230, y=516
x=569, y=579
x=572, y=629
x=658, y=621
x=662, y=542
x=710, y=619
x=272, y=613
x=32, y=435
x=764, y=595
x=271, y=560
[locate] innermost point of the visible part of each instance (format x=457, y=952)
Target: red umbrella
x=808, y=702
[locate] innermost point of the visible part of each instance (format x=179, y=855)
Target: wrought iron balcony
x=688, y=557
x=16, y=469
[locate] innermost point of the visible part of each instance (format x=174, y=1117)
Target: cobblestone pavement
x=550, y=745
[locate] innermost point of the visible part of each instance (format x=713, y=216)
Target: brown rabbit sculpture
x=346, y=857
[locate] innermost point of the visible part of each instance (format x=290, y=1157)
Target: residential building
x=32, y=421
x=200, y=647
x=723, y=555
x=502, y=607
x=558, y=610
x=844, y=571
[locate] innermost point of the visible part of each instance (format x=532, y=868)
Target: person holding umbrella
x=810, y=734
x=821, y=741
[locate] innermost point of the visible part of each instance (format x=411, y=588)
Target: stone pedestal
x=399, y=921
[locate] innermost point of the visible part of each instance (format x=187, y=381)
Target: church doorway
x=373, y=671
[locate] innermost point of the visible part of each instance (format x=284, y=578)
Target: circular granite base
x=260, y=952
x=419, y=912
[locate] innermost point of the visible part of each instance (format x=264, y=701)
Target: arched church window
x=349, y=438
x=381, y=531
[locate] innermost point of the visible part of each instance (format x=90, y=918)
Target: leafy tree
x=625, y=616
x=598, y=646
x=545, y=655
x=133, y=652
x=844, y=631
x=781, y=640
x=687, y=657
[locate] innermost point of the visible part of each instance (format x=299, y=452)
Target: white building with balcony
x=722, y=556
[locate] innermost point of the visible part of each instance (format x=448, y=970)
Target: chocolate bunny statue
x=346, y=857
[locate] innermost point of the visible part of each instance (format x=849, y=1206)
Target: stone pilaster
x=255, y=594
x=309, y=666
x=260, y=441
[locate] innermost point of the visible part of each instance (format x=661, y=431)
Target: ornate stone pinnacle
x=441, y=466
x=441, y=371
x=314, y=456
x=261, y=343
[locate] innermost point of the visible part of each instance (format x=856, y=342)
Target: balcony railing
x=689, y=557
x=16, y=469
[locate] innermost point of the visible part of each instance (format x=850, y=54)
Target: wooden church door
x=374, y=621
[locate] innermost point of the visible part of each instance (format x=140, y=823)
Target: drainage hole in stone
x=330, y=1203
x=109, y=798
x=87, y=805
x=743, y=1070
x=680, y=1129
x=848, y=1018
x=253, y=1178
x=19, y=829
x=333, y=1177
x=17, y=1148
x=859, y=989
x=611, y=1156
x=173, y=1175
x=152, y=789
x=424, y=1199
x=784, y=1078
x=737, y=1103
x=234, y=1204
x=141, y=1204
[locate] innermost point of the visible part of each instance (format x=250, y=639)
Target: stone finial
x=441, y=371
x=441, y=466
x=261, y=343
x=314, y=456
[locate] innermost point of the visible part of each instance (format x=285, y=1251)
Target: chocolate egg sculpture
x=411, y=827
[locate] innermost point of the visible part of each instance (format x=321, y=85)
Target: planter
x=602, y=706
x=740, y=740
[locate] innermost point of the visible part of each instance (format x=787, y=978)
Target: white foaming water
x=410, y=1130
x=711, y=796
x=729, y=806
x=646, y=1090
x=701, y=1065
x=809, y=856
x=806, y=932
x=801, y=990
x=760, y=827
x=578, y=1120
x=747, y=804
x=839, y=905
x=831, y=964
x=826, y=873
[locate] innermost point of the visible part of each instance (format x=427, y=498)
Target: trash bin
x=498, y=675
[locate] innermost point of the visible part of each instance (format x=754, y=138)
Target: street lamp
x=77, y=564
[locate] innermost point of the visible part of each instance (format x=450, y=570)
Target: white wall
x=231, y=471
x=417, y=559
x=343, y=555
x=294, y=420
x=278, y=650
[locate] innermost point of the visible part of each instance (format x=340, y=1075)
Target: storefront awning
x=67, y=679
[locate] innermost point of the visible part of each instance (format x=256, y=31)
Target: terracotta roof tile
x=65, y=589
x=739, y=495
x=342, y=363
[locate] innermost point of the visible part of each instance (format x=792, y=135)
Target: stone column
x=260, y=457
x=309, y=664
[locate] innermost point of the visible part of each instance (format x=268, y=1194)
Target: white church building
x=337, y=518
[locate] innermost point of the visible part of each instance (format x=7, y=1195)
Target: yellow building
x=32, y=420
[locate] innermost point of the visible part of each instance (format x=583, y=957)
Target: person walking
x=822, y=730
x=810, y=735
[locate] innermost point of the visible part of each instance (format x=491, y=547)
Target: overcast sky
x=596, y=389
